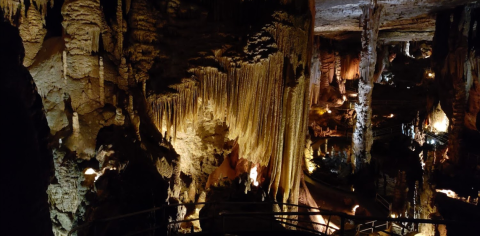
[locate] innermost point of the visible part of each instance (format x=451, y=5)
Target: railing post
x=342, y=225
x=223, y=224
x=328, y=223
x=212, y=224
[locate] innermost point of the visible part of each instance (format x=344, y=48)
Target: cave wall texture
x=167, y=88
x=455, y=62
x=26, y=160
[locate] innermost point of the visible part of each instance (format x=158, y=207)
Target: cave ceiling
x=402, y=20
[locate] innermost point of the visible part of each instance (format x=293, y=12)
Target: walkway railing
x=382, y=201
x=289, y=219
x=376, y=133
x=442, y=137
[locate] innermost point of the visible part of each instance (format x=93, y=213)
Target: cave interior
x=240, y=117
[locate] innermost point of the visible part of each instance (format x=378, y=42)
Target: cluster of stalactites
x=266, y=116
x=171, y=111
x=10, y=8
x=264, y=107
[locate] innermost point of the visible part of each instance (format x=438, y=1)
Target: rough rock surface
x=400, y=15
x=26, y=159
x=362, y=139
x=32, y=32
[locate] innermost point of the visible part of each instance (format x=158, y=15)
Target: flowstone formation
x=260, y=93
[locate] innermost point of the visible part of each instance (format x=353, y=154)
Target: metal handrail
x=163, y=207
x=442, y=138
x=382, y=200
x=342, y=216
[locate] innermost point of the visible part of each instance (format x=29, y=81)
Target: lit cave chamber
x=240, y=117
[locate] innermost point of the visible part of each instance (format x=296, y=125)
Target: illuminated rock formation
x=32, y=32
x=362, y=135
x=456, y=66
x=267, y=121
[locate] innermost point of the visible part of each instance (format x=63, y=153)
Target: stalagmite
x=136, y=124
x=119, y=117
x=362, y=135
x=406, y=49
x=130, y=106
x=75, y=125
x=114, y=100
x=123, y=72
x=102, y=82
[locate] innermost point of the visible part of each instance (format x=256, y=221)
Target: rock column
x=362, y=134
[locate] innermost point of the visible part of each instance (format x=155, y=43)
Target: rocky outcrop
x=66, y=194
x=26, y=158
x=456, y=74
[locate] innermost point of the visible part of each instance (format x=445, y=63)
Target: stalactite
x=128, y=3
x=95, y=32
x=65, y=66
x=327, y=68
x=362, y=135
x=75, y=125
x=264, y=103
x=130, y=106
x=102, y=82
x=338, y=73
x=120, y=27
x=10, y=8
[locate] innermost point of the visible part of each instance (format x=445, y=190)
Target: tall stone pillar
x=338, y=73
x=362, y=135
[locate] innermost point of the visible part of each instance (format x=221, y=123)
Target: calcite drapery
x=327, y=67
x=350, y=66
x=264, y=100
x=362, y=135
